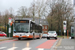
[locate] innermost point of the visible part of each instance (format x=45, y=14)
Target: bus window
x=21, y=27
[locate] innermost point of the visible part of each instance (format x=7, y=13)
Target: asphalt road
x=67, y=44
x=28, y=44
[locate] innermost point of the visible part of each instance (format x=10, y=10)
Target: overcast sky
x=15, y=4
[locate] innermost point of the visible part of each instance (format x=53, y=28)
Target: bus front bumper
x=30, y=36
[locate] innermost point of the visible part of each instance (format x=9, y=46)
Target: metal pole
x=64, y=35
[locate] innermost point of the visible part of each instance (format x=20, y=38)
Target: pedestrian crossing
x=2, y=48
x=26, y=48
x=12, y=48
x=16, y=48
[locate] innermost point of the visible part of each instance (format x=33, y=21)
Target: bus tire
x=19, y=38
x=48, y=38
x=72, y=37
x=56, y=38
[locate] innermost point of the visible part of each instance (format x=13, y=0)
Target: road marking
x=53, y=47
x=47, y=45
x=13, y=48
x=13, y=44
x=40, y=49
x=58, y=44
x=27, y=44
x=27, y=48
x=2, y=48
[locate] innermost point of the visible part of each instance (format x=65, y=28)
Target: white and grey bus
x=23, y=28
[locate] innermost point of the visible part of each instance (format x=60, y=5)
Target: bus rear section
x=26, y=29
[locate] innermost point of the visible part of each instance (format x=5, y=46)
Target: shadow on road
x=27, y=39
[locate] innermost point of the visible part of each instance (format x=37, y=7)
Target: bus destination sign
x=21, y=21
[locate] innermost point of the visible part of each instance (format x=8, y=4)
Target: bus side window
x=31, y=29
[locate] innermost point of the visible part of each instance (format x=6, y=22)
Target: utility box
x=72, y=30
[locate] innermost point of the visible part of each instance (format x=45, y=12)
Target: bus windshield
x=21, y=27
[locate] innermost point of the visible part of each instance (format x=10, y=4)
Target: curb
x=7, y=39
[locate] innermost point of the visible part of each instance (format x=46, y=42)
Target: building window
x=45, y=31
x=45, y=27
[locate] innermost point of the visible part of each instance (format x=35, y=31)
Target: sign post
x=64, y=27
x=10, y=20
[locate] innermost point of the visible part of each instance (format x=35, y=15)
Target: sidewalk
x=6, y=38
x=66, y=44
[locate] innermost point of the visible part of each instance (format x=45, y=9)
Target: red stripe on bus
x=30, y=36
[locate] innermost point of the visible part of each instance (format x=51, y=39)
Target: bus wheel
x=19, y=38
x=72, y=37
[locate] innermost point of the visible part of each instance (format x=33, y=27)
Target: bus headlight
x=13, y=34
x=27, y=35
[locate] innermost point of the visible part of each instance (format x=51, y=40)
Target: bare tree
x=41, y=9
x=5, y=18
x=0, y=22
x=37, y=9
x=32, y=10
x=59, y=11
x=22, y=12
x=11, y=12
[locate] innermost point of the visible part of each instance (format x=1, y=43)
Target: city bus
x=24, y=28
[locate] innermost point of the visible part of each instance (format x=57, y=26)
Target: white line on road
x=53, y=47
x=27, y=48
x=13, y=48
x=2, y=48
x=40, y=49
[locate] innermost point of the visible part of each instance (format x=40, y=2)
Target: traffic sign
x=9, y=30
x=64, y=31
x=64, y=26
x=64, y=22
x=10, y=20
